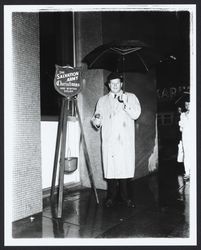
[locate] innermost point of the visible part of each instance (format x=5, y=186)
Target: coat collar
x=118, y=94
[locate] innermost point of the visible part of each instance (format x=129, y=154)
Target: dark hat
x=115, y=75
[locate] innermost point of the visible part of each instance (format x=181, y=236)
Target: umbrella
x=185, y=97
x=123, y=56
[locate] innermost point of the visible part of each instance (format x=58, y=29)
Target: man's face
x=115, y=85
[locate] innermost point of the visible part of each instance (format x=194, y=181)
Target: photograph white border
x=9, y=241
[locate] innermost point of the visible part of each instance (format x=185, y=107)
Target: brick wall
x=27, y=188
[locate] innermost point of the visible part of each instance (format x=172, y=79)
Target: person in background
x=180, y=156
x=115, y=116
x=185, y=129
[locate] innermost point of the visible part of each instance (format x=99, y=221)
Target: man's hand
x=124, y=98
x=97, y=120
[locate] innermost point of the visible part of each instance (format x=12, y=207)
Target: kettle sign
x=67, y=80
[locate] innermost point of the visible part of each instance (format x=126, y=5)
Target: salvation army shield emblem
x=67, y=80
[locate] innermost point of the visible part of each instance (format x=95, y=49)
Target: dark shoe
x=109, y=203
x=129, y=203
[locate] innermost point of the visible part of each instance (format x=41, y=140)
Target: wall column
x=25, y=99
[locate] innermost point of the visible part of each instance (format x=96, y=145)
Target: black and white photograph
x=100, y=125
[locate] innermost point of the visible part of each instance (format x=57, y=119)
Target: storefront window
x=56, y=47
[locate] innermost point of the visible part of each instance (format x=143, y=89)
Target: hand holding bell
x=97, y=120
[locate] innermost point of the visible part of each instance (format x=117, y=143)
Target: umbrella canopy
x=185, y=97
x=123, y=56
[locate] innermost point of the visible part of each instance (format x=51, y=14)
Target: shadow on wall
x=144, y=87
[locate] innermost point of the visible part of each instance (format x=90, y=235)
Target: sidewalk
x=154, y=216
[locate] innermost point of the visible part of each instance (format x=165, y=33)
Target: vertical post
x=74, y=39
x=62, y=160
x=86, y=154
x=58, y=143
x=124, y=81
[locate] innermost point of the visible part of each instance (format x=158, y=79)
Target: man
x=185, y=129
x=115, y=114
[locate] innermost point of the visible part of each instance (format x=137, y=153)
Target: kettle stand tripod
x=61, y=149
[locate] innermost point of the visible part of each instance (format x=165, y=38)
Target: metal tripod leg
x=62, y=159
x=58, y=143
x=86, y=154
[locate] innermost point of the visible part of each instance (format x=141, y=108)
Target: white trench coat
x=118, y=135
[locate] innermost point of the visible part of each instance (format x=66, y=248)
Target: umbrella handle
x=123, y=60
x=124, y=87
x=119, y=99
